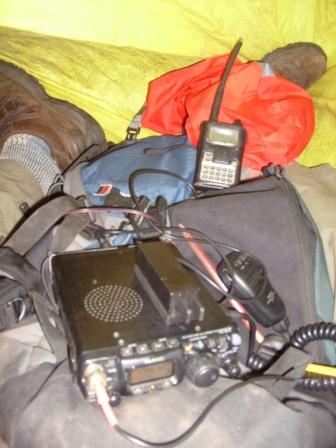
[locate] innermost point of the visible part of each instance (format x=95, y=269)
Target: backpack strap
x=67, y=231
x=18, y=277
x=26, y=285
x=21, y=284
x=39, y=222
x=89, y=154
x=51, y=325
x=14, y=303
x=134, y=127
x=95, y=151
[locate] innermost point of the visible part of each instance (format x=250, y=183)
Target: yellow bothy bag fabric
x=101, y=54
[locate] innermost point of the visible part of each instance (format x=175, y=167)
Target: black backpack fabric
x=44, y=407
x=268, y=219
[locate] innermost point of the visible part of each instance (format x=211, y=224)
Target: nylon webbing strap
x=90, y=153
x=135, y=124
x=14, y=303
x=51, y=325
x=17, y=278
x=15, y=267
x=71, y=226
x=38, y=224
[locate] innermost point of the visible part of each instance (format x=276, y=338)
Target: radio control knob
x=115, y=398
x=223, y=342
x=172, y=343
x=202, y=370
x=212, y=343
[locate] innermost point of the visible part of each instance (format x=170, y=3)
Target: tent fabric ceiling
x=101, y=55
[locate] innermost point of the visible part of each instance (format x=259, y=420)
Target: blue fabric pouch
x=170, y=153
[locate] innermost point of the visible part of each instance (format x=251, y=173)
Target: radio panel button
x=137, y=390
x=158, y=346
x=199, y=345
x=142, y=349
x=223, y=343
x=110, y=364
x=126, y=351
x=212, y=343
x=173, y=342
x=236, y=339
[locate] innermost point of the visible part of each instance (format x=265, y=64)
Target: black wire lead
x=137, y=173
x=176, y=441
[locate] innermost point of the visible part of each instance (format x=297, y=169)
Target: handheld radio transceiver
x=221, y=145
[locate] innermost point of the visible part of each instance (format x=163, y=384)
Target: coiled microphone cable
x=260, y=361
x=313, y=332
x=320, y=331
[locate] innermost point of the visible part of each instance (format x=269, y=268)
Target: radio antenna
x=220, y=90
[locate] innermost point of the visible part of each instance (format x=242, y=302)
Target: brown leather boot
x=25, y=108
x=302, y=62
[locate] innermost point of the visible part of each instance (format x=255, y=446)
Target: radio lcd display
x=222, y=136
x=151, y=372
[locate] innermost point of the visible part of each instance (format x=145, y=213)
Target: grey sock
x=33, y=154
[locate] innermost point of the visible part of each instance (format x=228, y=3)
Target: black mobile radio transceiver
x=221, y=145
x=141, y=319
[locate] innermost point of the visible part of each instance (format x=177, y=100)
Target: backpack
x=152, y=156
x=265, y=217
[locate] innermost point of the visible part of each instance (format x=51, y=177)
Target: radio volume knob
x=202, y=370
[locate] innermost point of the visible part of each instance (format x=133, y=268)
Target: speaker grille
x=113, y=303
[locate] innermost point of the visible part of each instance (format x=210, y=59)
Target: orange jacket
x=277, y=114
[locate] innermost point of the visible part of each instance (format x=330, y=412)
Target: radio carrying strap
x=21, y=284
x=24, y=284
x=17, y=278
x=38, y=224
x=134, y=127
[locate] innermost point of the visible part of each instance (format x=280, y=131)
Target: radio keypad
x=216, y=172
